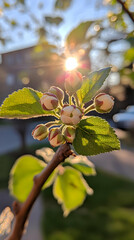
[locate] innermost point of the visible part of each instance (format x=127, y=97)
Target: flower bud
x=69, y=134
x=58, y=92
x=103, y=103
x=55, y=137
x=73, y=82
x=40, y=132
x=49, y=101
x=70, y=114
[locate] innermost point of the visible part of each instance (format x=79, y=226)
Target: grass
x=107, y=215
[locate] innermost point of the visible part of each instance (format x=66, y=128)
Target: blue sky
x=81, y=10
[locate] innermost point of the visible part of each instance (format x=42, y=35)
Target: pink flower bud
x=69, y=134
x=103, y=103
x=40, y=132
x=55, y=137
x=49, y=101
x=73, y=82
x=58, y=92
x=70, y=114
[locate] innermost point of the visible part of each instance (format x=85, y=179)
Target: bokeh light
x=71, y=63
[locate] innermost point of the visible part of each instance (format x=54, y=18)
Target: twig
x=126, y=9
x=22, y=211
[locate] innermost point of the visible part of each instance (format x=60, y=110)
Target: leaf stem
x=89, y=109
x=70, y=100
x=76, y=99
x=53, y=123
x=56, y=115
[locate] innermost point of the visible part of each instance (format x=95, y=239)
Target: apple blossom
x=103, y=103
x=71, y=115
x=69, y=134
x=40, y=132
x=49, y=101
x=73, y=82
x=55, y=137
x=58, y=92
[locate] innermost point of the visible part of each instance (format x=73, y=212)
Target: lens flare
x=71, y=63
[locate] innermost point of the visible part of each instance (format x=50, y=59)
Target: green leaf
x=77, y=36
x=70, y=189
x=6, y=5
x=53, y=20
x=23, y=104
x=94, y=136
x=62, y=4
x=82, y=164
x=22, y=174
x=92, y=84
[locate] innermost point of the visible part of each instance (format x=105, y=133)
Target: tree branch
x=126, y=10
x=22, y=211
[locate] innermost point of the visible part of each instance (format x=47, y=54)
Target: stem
x=89, y=109
x=70, y=100
x=76, y=99
x=22, y=211
x=123, y=4
x=56, y=115
x=53, y=123
x=61, y=103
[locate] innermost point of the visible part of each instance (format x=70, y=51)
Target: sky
x=80, y=10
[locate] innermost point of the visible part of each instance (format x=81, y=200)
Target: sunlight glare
x=71, y=63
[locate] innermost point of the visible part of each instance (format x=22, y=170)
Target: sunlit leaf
x=25, y=103
x=22, y=174
x=82, y=164
x=92, y=84
x=77, y=36
x=94, y=136
x=129, y=54
x=70, y=189
x=62, y=4
x=6, y=4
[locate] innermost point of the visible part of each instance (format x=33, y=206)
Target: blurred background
x=36, y=44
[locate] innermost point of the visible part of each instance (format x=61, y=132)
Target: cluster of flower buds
x=69, y=115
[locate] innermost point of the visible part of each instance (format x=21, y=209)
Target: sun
x=71, y=63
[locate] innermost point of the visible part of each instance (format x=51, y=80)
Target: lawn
x=107, y=215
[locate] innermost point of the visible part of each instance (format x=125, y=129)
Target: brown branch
x=22, y=211
x=126, y=10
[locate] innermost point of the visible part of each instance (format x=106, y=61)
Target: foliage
x=90, y=136
x=23, y=104
x=108, y=214
x=93, y=136
x=27, y=166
